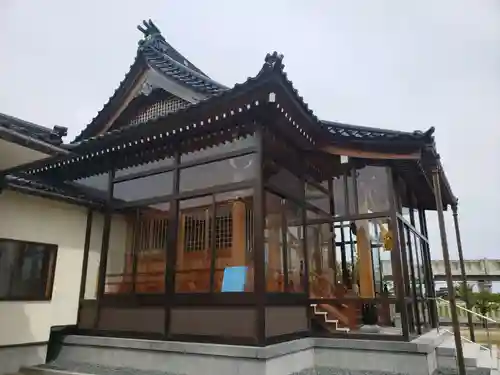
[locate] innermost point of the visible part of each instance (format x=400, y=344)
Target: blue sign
x=234, y=279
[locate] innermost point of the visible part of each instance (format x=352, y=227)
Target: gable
x=158, y=66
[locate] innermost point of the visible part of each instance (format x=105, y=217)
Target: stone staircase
x=331, y=324
x=478, y=359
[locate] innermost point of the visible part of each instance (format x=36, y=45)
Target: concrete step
x=446, y=353
x=42, y=370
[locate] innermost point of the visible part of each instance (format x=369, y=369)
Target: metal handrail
x=486, y=319
x=469, y=311
x=466, y=339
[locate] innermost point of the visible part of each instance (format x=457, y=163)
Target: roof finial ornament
x=149, y=29
x=274, y=61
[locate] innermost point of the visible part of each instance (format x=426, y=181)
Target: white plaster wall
x=116, y=251
x=29, y=218
x=24, y=217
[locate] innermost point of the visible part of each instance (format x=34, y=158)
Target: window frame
x=48, y=271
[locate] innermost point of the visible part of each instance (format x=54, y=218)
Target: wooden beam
x=334, y=150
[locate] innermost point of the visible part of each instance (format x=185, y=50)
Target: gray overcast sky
x=397, y=64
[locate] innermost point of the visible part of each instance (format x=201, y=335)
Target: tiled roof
x=348, y=132
x=37, y=132
x=64, y=192
x=161, y=56
x=153, y=53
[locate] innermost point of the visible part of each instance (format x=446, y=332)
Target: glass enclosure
x=222, y=232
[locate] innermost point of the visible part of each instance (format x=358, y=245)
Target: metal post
x=446, y=257
x=454, y=208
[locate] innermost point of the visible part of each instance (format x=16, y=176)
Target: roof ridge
x=153, y=34
x=179, y=65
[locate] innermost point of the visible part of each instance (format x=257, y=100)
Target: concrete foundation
x=98, y=355
x=12, y=358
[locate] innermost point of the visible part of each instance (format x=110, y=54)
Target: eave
x=31, y=142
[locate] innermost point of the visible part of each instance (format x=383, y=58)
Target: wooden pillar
x=103, y=259
x=436, y=179
x=86, y=250
x=397, y=256
x=259, y=243
x=454, y=208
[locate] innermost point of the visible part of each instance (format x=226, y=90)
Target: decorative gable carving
x=159, y=109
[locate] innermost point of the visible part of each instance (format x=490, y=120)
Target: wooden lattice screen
x=159, y=109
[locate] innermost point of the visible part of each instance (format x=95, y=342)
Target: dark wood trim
x=192, y=163
x=259, y=247
x=284, y=248
x=360, y=336
x=214, y=299
x=333, y=245
x=170, y=264
x=103, y=258
x=135, y=247
x=365, y=216
x=396, y=252
x=86, y=250
x=413, y=284
x=247, y=184
x=211, y=339
x=306, y=254
x=204, y=299
x=300, y=201
x=213, y=213
x=347, y=300
x=412, y=227
x=429, y=282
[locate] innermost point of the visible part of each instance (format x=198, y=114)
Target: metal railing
x=495, y=359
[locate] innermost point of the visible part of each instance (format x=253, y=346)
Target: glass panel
x=98, y=182
x=9, y=254
x=417, y=221
x=361, y=247
x=236, y=144
x=283, y=179
x=29, y=280
x=411, y=284
x=120, y=261
x=150, y=244
x=317, y=198
x=344, y=251
x=233, y=242
x=294, y=230
x=142, y=188
x=26, y=270
x=373, y=189
x=223, y=172
x=343, y=198
x=144, y=167
x=193, y=246
x=274, y=243
x=321, y=274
